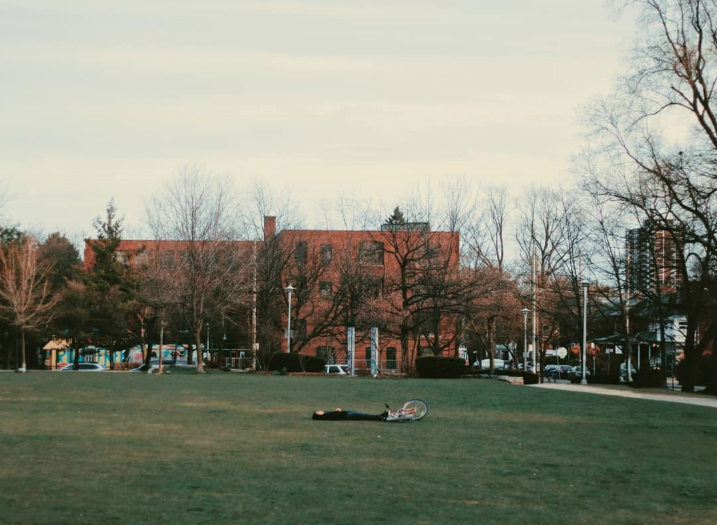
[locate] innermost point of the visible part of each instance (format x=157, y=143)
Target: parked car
x=84, y=367
x=549, y=370
x=499, y=364
x=154, y=365
x=564, y=371
x=336, y=369
x=558, y=371
x=577, y=373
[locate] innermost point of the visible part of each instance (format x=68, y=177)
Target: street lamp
x=525, y=336
x=584, y=381
x=289, y=289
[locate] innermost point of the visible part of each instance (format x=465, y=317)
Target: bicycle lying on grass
x=413, y=410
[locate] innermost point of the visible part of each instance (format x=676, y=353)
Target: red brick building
x=393, y=278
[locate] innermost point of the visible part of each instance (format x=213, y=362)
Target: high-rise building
x=652, y=259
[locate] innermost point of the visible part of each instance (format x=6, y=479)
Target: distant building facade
x=330, y=271
x=652, y=259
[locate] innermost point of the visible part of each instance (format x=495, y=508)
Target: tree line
x=451, y=285
x=533, y=249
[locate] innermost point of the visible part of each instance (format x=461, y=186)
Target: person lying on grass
x=348, y=415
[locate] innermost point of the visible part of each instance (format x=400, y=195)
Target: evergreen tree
x=397, y=217
x=110, y=287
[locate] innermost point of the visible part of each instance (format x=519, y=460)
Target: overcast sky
x=105, y=98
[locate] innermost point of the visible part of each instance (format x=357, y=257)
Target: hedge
x=440, y=367
x=704, y=370
x=296, y=363
x=509, y=373
x=530, y=379
x=648, y=379
x=603, y=379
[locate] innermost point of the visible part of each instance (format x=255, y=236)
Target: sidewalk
x=626, y=391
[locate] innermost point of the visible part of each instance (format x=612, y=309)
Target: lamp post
x=525, y=335
x=289, y=289
x=585, y=284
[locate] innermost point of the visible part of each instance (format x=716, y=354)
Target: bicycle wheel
x=416, y=407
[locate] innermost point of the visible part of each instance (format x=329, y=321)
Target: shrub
x=603, y=379
x=440, y=367
x=703, y=370
x=530, y=379
x=647, y=379
x=296, y=363
x=509, y=373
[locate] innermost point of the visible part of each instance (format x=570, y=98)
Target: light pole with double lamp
x=525, y=336
x=289, y=289
x=584, y=381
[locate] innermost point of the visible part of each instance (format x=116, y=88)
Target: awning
x=610, y=339
x=57, y=344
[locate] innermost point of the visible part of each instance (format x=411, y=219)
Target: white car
x=84, y=367
x=498, y=364
x=623, y=371
x=336, y=369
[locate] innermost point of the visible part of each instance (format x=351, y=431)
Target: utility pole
x=254, y=346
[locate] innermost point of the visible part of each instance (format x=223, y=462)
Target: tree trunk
x=23, y=368
x=198, y=342
x=160, y=370
x=76, y=357
x=692, y=357
x=491, y=345
x=405, y=350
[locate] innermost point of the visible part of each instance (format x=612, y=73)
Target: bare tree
x=670, y=182
x=197, y=210
x=550, y=236
x=484, y=237
x=27, y=299
x=266, y=217
x=306, y=269
x=491, y=313
x=421, y=283
x=158, y=286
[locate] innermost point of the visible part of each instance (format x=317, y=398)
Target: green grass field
x=236, y=448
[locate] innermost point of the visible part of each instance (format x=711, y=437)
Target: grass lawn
x=118, y=447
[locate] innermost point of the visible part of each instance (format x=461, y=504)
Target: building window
x=368, y=357
x=122, y=257
x=325, y=288
x=298, y=329
x=327, y=353
x=371, y=252
x=391, y=358
x=325, y=254
x=142, y=258
x=301, y=253
x=373, y=287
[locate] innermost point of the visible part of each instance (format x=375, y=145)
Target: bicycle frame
x=413, y=410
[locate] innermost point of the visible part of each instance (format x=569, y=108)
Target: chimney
x=269, y=227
